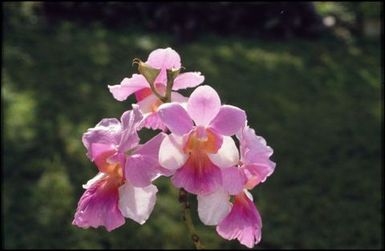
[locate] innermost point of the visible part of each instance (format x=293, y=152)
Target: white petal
x=214, y=207
x=137, y=203
x=95, y=179
x=227, y=155
x=170, y=152
x=248, y=194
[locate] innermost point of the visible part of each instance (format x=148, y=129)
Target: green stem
x=186, y=216
x=153, y=89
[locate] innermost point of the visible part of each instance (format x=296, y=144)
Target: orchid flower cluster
x=195, y=146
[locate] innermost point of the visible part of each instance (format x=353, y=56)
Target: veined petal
x=98, y=206
x=227, y=155
x=203, y=105
x=175, y=117
x=198, y=175
x=233, y=180
x=165, y=58
x=171, y=155
x=128, y=86
x=137, y=203
x=243, y=222
x=188, y=80
x=229, y=120
x=212, y=208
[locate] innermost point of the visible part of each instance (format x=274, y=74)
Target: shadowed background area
x=308, y=75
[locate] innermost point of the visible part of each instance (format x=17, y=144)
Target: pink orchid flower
x=240, y=219
x=122, y=188
x=199, y=152
x=163, y=59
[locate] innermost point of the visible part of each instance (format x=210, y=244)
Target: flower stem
x=186, y=216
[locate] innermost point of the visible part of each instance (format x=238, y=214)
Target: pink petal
x=152, y=121
x=100, y=154
x=229, y=120
x=171, y=155
x=258, y=173
x=143, y=166
x=188, y=80
x=212, y=208
x=198, y=176
x=130, y=122
x=227, y=155
x=128, y=86
x=175, y=117
x=151, y=150
x=107, y=132
x=243, y=222
x=233, y=180
x=255, y=156
x=98, y=206
x=137, y=203
x=164, y=59
x=131, y=118
x=253, y=147
x=203, y=105
x=177, y=97
x=140, y=170
x=148, y=104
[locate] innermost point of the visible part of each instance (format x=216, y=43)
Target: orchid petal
x=175, y=117
x=212, y=208
x=203, y=105
x=137, y=203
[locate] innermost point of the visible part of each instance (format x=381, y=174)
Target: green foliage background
x=317, y=103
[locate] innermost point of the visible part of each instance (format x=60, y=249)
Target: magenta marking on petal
x=243, y=222
x=128, y=86
x=143, y=93
x=98, y=206
x=198, y=175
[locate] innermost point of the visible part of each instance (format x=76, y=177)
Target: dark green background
x=317, y=102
